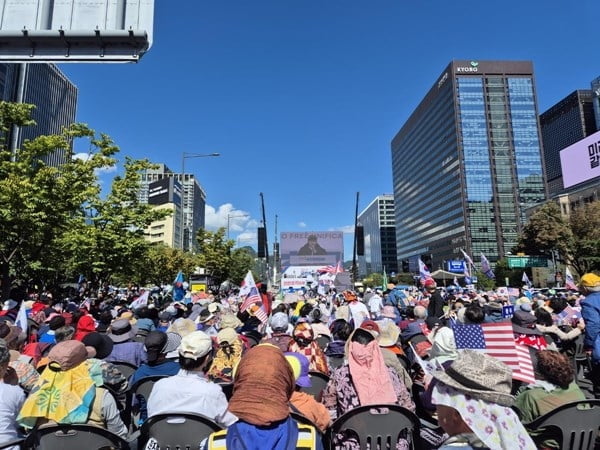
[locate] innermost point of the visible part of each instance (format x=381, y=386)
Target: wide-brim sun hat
x=480, y=376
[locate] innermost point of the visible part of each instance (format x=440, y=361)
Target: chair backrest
x=127, y=369
x=379, y=426
x=144, y=386
x=176, y=430
x=323, y=340
x=319, y=381
x=73, y=437
x=578, y=423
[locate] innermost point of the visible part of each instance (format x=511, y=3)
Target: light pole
x=233, y=216
x=184, y=156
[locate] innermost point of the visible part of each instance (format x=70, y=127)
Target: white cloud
x=302, y=224
x=247, y=238
x=346, y=229
x=102, y=170
x=239, y=220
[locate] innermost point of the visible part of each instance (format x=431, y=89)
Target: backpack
x=36, y=350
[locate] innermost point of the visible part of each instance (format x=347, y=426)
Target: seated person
x=473, y=400
x=82, y=399
x=556, y=387
x=302, y=402
x=263, y=385
x=11, y=400
x=190, y=390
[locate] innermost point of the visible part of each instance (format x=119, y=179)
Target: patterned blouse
x=340, y=395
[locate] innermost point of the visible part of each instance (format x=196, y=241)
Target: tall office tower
x=193, y=202
x=377, y=220
x=467, y=163
x=596, y=100
x=565, y=123
x=55, y=97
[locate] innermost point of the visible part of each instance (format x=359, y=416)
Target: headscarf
x=497, y=426
x=65, y=390
x=369, y=374
x=305, y=344
x=264, y=383
x=443, y=346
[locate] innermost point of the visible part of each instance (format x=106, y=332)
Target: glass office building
x=567, y=122
x=53, y=94
x=377, y=220
x=467, y=163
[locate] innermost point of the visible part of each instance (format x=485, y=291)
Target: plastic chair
x=142, y=387
x=323, y=340
x=9, y=444
x=73, y=437
x=319, y=381
x=127, y=369
x=581, y=358
x=176, y=430
x=578, y=423
x=377, y=426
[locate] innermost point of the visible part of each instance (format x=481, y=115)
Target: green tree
x=545, y=232
x=162, y=264
x=483, y=282
x=38, y=203
x=109, y=239
x=242, y=260
x=502, y=272
x=214, y=253
x=584, y=253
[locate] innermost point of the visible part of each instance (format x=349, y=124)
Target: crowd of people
x=251, y=373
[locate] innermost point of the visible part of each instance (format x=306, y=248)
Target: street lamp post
x=184, y=156
x=233, y=216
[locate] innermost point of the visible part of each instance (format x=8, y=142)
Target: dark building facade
x=565, y=123
x=377, y=220
x=467, y=163
x=55, y=97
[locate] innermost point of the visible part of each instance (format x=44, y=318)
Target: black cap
x=155, y=342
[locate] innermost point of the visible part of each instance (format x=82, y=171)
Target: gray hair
x=64, y=333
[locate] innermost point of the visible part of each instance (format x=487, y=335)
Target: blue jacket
x=590, y=311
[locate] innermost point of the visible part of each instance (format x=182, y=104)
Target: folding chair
x=176, y=430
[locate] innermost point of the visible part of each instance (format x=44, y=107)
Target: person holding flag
x=251, y=296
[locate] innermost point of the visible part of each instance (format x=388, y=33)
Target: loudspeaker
x=262, y=242
x=360, y=241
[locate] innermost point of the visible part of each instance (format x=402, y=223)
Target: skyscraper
x=193, y=202
x=377, y=220
x=53, y=94
x=568, y=121
x=467, y=163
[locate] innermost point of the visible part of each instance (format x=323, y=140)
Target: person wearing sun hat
x=125, y=348
x=228, y=355
x=473, y=403
x=71, y=379
x=589, y=286
x=302, y=402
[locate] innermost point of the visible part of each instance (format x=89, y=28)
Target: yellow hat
x=590, y=280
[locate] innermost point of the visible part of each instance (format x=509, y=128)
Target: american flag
x=497, y=340
x=569, y=314
x=338, y=268
x=250, y=291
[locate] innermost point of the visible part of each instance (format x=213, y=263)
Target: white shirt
x=358, y=312
x=190, y=392
x=11, y=401
x=375, y=304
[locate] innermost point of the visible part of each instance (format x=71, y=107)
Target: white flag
x=21, y=320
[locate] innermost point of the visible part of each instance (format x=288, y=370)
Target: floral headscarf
x=497, y=426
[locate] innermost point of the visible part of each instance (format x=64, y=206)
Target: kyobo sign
x=75, y=30
x=519, y=262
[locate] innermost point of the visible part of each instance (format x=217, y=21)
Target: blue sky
x=302, y=98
